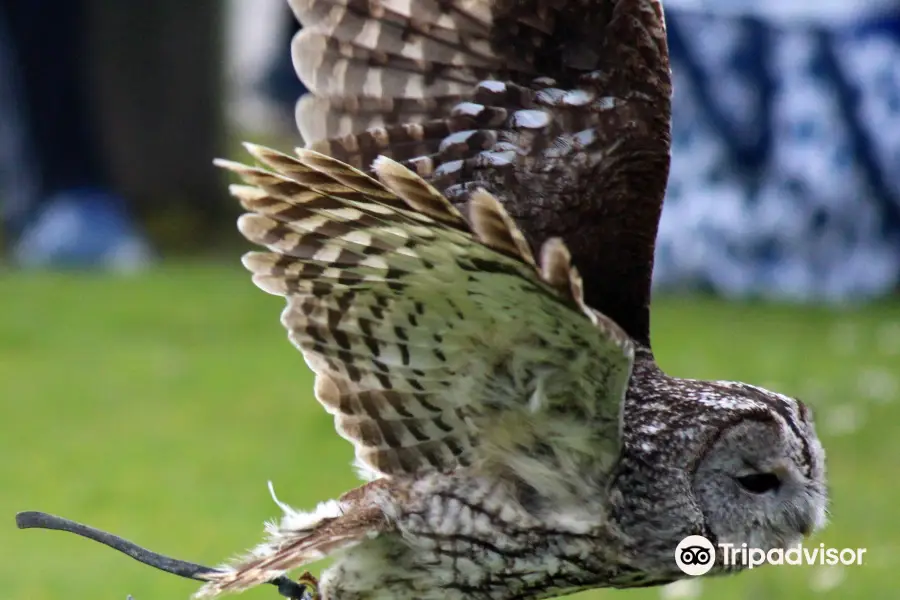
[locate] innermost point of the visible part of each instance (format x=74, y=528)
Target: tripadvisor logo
x=695, y=555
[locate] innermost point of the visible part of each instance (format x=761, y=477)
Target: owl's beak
x=806, y=527
x=782, y=470
x=807, y=519
x=804, y=517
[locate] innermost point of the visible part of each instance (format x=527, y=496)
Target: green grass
x=158, y=407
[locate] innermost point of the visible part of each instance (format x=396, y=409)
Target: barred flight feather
x=428, y=332
x=560, y=109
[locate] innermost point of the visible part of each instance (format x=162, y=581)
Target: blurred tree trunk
x=157, y=75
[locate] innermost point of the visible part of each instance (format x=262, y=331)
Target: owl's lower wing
x=435, y=342
x=559, y=108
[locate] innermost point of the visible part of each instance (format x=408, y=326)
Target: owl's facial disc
x=762, y=480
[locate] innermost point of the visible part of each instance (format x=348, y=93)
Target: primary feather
x=434, y=338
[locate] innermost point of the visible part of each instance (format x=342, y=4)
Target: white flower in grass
x=685, y=589
x=843, y=419
x=825, y=579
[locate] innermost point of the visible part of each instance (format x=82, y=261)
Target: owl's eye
x=760, y=483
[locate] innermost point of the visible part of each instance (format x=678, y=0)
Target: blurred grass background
x=158, y=406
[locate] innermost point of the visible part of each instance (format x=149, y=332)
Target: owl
x=465, y=246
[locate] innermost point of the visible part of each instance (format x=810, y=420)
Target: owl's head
x=759, y=478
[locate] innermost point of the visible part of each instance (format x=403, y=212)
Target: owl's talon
x=311, y=586
x=305, y=588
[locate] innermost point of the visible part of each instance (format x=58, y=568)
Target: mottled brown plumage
x=410, y=316
x=571, y=133
x=439, y=343
x=465, y=160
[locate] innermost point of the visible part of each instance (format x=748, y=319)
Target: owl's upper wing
x=435, y=343
x=559, y=108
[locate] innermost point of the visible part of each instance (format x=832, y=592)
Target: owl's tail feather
x=300, y=538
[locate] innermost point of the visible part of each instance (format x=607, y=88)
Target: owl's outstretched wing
x=436, y=341
x=559, y=108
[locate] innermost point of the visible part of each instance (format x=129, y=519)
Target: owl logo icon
x=695, y=555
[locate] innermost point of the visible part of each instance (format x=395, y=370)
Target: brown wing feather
x=570, y=130
x=411, y=315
